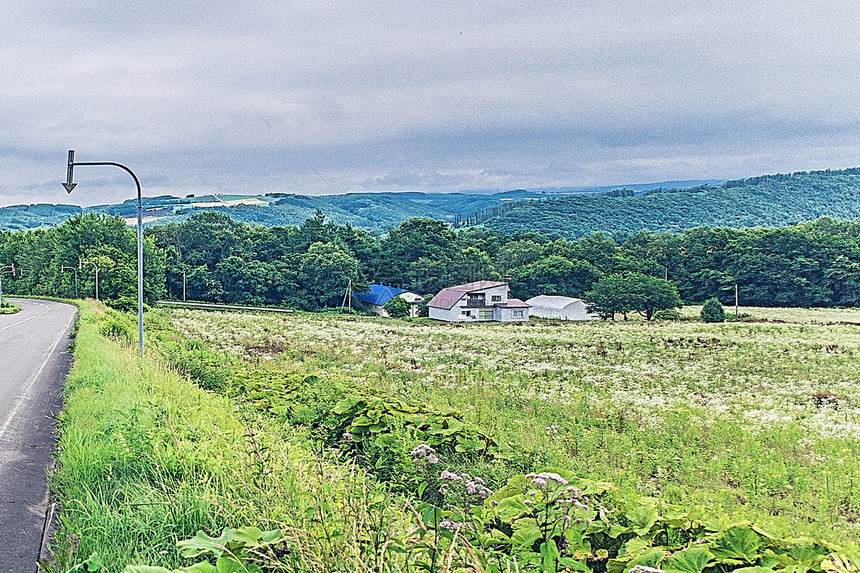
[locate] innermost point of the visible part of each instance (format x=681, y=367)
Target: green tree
x=713, y=311
x=554, y=275
x=325, y=272
x=632, y=292
x=396, y=307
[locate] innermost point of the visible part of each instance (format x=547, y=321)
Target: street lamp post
x=63, y=268
x=81, y=264
x=69, y=185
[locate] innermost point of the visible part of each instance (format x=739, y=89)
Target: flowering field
x=754, y=420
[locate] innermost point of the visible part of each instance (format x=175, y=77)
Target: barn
x=560, y=307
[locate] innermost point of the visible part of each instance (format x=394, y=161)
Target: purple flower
x=553, y=476
x=449, y=476
x=422, y=450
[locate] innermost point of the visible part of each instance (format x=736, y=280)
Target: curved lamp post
x=69, y=185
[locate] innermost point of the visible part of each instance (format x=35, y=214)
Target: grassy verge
x=147, y=459
x=9, y=308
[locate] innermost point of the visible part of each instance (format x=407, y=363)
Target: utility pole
x=347, y=295
x=6, y=269
x=81, y=264
x=736, y=302
x=63, y=268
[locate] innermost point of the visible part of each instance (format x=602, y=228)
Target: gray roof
x=552, y=301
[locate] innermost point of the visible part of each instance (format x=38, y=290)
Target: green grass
x=752, y=420
x=147, y=459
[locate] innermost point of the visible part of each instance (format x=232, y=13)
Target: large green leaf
x=737, y=543
x=202, y=543
x=347, y=404
x=201, y=567
x=651, y=558
x=510, y=509
x=526, y=534
x=574, y=564
x=691, y=560
x=549, y=556
x=633, y=547
x=642, y=516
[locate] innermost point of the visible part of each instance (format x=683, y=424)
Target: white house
x=561, y=307
x=379, y=294
x=478, y=301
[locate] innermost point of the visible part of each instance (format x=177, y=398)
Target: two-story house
x=478, y=301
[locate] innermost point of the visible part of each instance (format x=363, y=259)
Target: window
x=497, y=298
x=485, y=314
x=518, y=314
x=466, y=313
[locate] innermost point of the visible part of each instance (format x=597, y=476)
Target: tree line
x=214, y=258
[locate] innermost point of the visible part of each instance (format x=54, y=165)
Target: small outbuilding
x=560, y=307
x=374, y=300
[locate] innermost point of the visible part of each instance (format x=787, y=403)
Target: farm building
x=478, y=301
x=374, y=301
x=561, y=307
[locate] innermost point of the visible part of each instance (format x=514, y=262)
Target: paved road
x=33, y=366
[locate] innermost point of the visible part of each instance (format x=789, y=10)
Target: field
x=358, y=444
x=752, y=420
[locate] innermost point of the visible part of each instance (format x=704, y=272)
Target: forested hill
x=369, y=211
x=767, y=201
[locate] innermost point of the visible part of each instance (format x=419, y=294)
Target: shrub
x=712, y=311
x=114, y=327
x=396, y=307
x=668, y=314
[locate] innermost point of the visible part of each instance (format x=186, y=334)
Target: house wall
x=507, y=314
x=449, y=315
x=413, y=300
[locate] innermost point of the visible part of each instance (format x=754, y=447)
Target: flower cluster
x=470, y=490
x=540, y=479
x=424, y=454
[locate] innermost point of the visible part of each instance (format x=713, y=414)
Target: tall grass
x=146, y=459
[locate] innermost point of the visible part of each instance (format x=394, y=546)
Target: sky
x=323, y=97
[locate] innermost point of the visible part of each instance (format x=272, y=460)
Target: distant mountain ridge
x=768, y=200
x=765, y=201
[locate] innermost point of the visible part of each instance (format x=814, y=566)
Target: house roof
x=379, y=294
x=448, y=297
x=514, y=303
x=552, y=301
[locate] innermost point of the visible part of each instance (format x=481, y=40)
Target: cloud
x=323, y=97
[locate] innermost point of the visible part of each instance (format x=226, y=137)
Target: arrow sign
x=70, y=173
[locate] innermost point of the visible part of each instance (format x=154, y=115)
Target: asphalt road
x=33, y=366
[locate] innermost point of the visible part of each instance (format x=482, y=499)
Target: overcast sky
x=321, y=96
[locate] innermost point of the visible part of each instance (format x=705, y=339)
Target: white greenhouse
x=560, y=307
